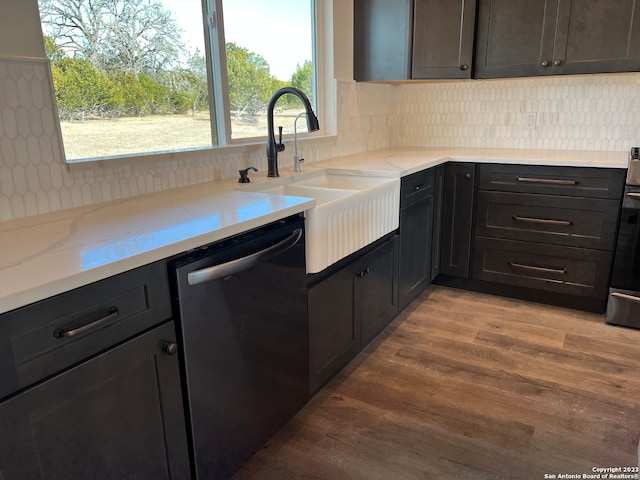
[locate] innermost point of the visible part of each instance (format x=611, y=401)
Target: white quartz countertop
x=405, y=161
x=45, y=255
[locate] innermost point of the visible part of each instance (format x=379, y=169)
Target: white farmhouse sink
x=351, y=212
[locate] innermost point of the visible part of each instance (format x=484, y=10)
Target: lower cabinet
x=457, y=219
x=549, y=268
x=539, y=232
x=416, y=235
x=375, y=288
x=118, y=415
x=349, y=307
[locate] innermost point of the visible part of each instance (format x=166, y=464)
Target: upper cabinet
x=548, y=37
x=413, y=39
x=443, y=38
x=381, y=40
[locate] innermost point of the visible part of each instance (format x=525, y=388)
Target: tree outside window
x=130, y=78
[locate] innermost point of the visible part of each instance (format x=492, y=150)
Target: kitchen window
x=134, y=77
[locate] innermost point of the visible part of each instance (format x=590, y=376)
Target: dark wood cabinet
x=549, y=37
x=334, y=333
x=553, y=180
x=457, y=218
x=543, y=267
x=118, y=415
x=382, y=40
x=443, y=38
x=547, y=233
x=416, y=235
x=413, y=39
x=376, y=291
x=33, y=344
x=570, y=221
x=349, y=306
x=91, y=386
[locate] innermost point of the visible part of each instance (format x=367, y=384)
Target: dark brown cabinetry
x=348, y=306
x=416, y=235
x=334, y=333
x=548, y=229
x=549, y=37
x=413, y=39
x=382, y=40
x=90, y=390
x=443, y=38
x=457, y=218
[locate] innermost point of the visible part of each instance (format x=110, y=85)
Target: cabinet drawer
x=571, y=221
x=572, y=181
x=48, y=336
x=551, y=268
x=417, y=186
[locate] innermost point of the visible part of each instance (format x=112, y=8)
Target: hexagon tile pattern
x=588, y=112
x=29, y=142
x=34, y=178
x=573, y=112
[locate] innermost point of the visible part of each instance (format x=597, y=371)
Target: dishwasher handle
x=240, y=264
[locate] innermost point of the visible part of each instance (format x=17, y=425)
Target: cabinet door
x=334, y=334
x=443, y=38
x=376, y=292
x=119, y=415
x=381, y=40
x=416, y=222
x=457, y=217
x=597, y=36
x=515, y=38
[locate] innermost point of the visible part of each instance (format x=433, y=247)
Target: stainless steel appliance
x=242, y=307
x=623, y=306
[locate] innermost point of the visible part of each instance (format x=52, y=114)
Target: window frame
x=323, y=85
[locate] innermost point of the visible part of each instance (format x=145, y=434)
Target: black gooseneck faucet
x=272, y=147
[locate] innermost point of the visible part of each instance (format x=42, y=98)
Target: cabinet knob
x=557, y=62
x=170, y=348
x=464, y=66
x=467, y=176
x=545, y=63
x=364, y=272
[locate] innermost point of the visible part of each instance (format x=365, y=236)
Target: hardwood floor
x=470, y=386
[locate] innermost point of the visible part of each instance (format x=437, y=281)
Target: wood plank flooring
x=470, y=386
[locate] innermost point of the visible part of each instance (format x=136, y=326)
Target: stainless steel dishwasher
x=242, y=307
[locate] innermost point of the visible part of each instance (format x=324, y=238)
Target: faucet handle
x=280, y=145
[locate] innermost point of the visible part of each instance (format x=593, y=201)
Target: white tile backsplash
x=34, y=178
x=585, y=112
x=595, y=112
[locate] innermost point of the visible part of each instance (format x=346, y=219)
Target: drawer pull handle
x=419, y=187
x=62, y=333
x=635, y=196
x=548, y=181
x=543, y=221
x=560, y=271
x=625, y=296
